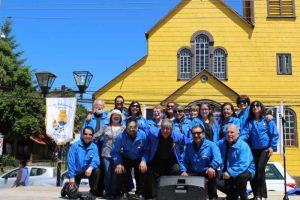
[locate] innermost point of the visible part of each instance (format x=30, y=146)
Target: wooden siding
x=251, y=61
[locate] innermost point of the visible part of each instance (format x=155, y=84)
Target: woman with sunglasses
x=262, y=136
x=135, y=111
x=243, y=103
x=227, y=117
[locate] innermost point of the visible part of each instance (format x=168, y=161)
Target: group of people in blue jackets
x=228, y=152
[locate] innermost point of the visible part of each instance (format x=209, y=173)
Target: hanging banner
x=60, y=116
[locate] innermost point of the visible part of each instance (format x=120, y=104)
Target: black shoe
x=141, y=197
x=125, y=196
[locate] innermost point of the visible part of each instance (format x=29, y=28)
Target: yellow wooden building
x=205, y=51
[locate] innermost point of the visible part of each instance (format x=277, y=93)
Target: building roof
x=191, y=82
x=184, y=2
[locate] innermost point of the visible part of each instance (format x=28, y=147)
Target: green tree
x=22, y=110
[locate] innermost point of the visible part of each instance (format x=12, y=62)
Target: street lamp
x=45, y=82
x=82, y=79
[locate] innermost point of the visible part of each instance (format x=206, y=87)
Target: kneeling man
x=238, y=167
x=83, y=161
x=202, y=158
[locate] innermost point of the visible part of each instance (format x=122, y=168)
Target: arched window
x=201, y=53
x=220, y=63
x=185, y=63
x=201, y=56
x=290, y=129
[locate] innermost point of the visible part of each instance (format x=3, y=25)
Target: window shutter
x=281, y=8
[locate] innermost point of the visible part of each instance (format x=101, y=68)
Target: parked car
x=52, y=181
x=35, y=173
x=275, y=178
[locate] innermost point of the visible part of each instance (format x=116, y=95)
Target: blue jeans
x=109, y=176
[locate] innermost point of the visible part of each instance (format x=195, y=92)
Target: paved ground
x=46, y=193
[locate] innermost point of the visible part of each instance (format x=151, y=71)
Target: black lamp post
x=45, y=82
x=82, y=79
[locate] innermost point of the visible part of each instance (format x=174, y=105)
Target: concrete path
x=48, y=192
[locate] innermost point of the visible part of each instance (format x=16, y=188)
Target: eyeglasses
x=180, y=111
x=134, y=106
x=88, y=134
x=197, y=133
x=131, y=127
x=170, y=106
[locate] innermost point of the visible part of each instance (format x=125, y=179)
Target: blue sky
x=101, y=36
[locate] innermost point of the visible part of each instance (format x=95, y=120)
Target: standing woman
x=108, y=134
x=22, y=176
x=227, y=117
x=135, y=111
x=263, y=136
x=243, y=102
x=205, y=120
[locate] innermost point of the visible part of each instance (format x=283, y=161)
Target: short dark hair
x=241, y=98
x=23, y=163
x=131, y=119
x=119, y=96
x=89, y=128
x=198, y=126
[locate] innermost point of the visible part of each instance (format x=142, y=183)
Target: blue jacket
x=132, y=149
x=103, y=121
x=153, y=140
x=152, y=122
x=239, y=158
x=261, y=135
x=81, y=158
x=185, y=127
x=197, y=122
x=220, y=123
x=243, y=116
x=200, y=160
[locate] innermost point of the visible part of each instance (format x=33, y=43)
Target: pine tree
x=22, y=110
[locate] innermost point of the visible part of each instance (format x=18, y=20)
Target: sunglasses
x=256, y=105
x=197, y=133
x=170, y=106
x=131, y=127
x=180, y=111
